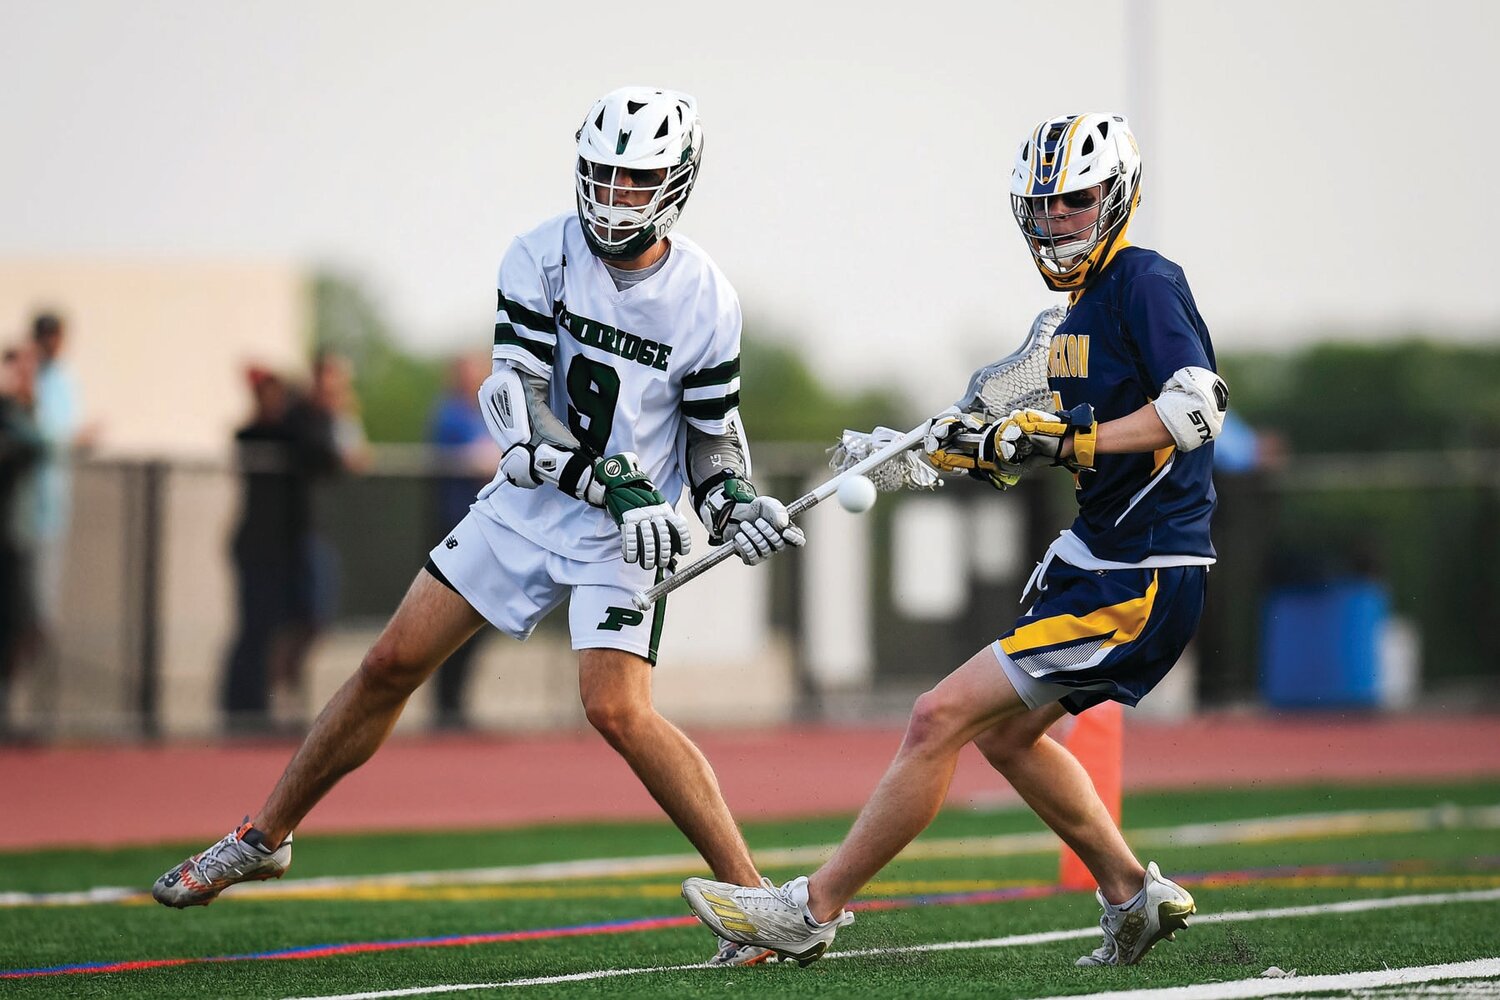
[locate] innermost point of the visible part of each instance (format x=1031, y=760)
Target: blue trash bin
x=1321, y=644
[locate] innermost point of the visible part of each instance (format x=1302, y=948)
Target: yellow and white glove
x=956, y=443
x=1041, y=432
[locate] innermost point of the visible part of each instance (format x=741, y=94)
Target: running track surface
x=112, y=796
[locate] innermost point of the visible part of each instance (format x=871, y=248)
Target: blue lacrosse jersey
x=1126, y=335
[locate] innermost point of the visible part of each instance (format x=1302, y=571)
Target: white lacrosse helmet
x=1068, y=154
x=638, y=156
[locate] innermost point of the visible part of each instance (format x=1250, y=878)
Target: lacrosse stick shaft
x=645, y=598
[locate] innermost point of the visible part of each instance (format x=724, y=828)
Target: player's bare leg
x=431, y=622
x=616, y=691
x=1057, y=788
x=964, y=704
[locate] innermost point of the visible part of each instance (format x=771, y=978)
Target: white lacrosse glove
x=1040, y=432
x=529, y=466
x=758, y=527
x=530, y=454
x=956, y=443
x=651, y=532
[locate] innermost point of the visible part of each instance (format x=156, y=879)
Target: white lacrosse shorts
x=515, y=583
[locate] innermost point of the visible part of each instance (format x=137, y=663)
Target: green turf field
x=1435, y=841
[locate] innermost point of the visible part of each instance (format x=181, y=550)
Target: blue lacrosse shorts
x=1102, y=635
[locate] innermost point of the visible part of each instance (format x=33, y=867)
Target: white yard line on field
x=1481, y=968
x=1296, y=827
x=1047, y=937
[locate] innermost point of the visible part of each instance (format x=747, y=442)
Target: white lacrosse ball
x=856, y=494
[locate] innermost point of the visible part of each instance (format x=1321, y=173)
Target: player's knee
x=385, y=669
x=616, y=719
x=935, y=719
x=1004, y=745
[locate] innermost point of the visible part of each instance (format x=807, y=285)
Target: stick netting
x=1016, y=381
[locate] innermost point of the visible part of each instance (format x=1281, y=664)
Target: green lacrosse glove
x=651, y=532
x=758, y=527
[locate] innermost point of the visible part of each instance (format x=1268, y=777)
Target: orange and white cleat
x=239, y=857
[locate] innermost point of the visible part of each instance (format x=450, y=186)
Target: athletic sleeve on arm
x=1165, y=325
x=525, y=325
x=711, y=391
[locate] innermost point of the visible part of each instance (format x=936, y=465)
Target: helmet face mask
x=639, y=151
x=1074, y=188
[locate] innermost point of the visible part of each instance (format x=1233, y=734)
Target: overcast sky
x=1311, y=165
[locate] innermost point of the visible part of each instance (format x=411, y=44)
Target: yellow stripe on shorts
x=1125, y=620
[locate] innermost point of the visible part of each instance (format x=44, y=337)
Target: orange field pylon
x=1098, y=741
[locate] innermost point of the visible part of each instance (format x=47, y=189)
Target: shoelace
x=212, y=863
x=776, y=894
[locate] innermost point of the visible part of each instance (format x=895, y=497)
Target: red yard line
x=118, y=795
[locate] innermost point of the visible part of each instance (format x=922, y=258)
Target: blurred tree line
x=1325, y=398
x=1400, y=396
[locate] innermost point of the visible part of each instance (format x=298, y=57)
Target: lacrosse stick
x=893, y=448
x=885, y=456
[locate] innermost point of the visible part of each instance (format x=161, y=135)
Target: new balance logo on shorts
x=616, y=619
x=452, y=542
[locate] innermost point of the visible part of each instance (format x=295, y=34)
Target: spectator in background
x=20, y=450
x=43, y=504
x=287, y=573
x=272, y=516
x=468, y=457
x=329, y=440
x=334, y=398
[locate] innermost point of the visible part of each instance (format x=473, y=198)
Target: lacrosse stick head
x=1018, y=380
x=903, y=471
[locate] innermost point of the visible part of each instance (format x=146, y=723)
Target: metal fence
x=149, y=592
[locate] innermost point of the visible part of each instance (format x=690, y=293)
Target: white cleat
x=734, y=953
x=1162, y=909
x=770, y=917
x=199, y=880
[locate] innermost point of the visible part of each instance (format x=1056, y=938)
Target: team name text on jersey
x=1070, y=356
x=605, y=337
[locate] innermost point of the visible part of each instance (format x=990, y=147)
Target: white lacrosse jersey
x=627, y=368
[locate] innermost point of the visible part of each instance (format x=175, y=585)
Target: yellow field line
x=557, y=893
x=1274, y=829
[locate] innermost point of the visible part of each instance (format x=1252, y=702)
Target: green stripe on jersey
x=505, y=334
x=526, y=317
x=710, y=409
x=717, y=375
x=658, y=620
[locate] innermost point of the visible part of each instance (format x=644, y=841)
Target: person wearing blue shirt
x=1136, y=406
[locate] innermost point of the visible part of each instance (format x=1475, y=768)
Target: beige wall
x=159, y=347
